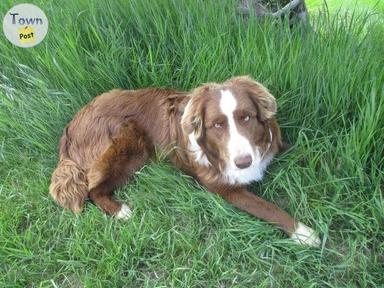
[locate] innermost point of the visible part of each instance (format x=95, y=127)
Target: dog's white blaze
x=238, y=145
x=305, y=235
x=196, y=150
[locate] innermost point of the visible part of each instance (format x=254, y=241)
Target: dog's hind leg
x=128, y=152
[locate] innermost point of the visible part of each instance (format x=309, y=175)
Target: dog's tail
x=69, y=181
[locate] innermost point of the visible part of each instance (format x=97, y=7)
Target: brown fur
x=69, y=185
x=114, y=135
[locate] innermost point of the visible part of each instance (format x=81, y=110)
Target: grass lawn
x=376, y=6
x=330, y=91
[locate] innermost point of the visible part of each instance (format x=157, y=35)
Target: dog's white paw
x=125, y=213
x=306, y=236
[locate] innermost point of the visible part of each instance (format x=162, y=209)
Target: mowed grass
x=330, y=91
x=373, y=6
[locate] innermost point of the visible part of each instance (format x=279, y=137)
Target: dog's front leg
x=247, y=201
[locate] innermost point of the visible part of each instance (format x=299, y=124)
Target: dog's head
x=228, y=127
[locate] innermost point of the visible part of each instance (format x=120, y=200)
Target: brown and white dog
x=224, y=135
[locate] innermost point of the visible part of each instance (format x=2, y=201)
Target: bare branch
x=261, y=11
x=287, y=8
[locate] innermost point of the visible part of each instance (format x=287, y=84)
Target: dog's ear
x=193, y=115
x=264, y=102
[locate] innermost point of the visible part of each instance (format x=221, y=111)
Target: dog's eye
x=246, y=118
x=217, y=125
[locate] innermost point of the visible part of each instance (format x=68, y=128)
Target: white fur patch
x=124, y=213
x=255, y=172
x=197, y=152
x=193, y=147
x=238, y=145
x=305, y=235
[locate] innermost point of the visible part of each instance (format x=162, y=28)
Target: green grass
x=330, y=90
x=376, y=6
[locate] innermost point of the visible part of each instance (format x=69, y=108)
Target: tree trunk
x=295, y=10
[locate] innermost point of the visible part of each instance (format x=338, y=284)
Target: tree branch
x=287, y=8
x=261, y=11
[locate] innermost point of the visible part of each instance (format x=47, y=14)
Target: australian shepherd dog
x=224, y=135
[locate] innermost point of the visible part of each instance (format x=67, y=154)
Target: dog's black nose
x=243, y=161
